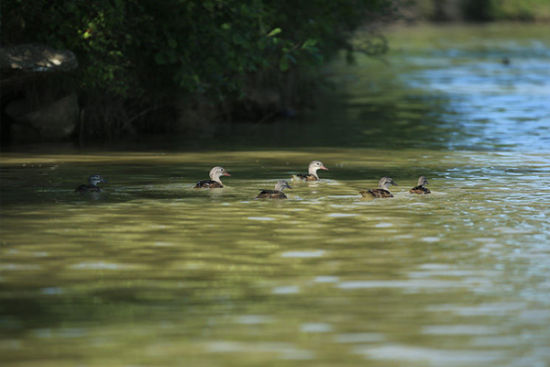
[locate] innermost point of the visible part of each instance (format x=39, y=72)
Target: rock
x=36, y=58
x=30, y=110
x=53, y=121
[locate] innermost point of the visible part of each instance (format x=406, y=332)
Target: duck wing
x=419, y=190
x=208, y=184
x=376, y=193
x=264, y=194
x=305, y=177
x=87, y=188
x=271, y=194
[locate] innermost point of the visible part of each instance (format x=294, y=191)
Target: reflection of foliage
x=368, y=44
x=195, y=46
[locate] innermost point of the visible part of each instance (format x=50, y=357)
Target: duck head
x=281, y=185
x=217, y=172
x=386, y=182
x=93, y=180
x=422, y=181
x=314, y=166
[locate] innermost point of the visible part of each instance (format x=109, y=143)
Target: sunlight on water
x=152, y=272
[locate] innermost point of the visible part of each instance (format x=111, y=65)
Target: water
x=154, y=273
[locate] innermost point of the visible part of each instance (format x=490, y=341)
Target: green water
x=154, y=273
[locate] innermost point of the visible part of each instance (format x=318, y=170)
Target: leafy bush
x=150, y=50
x=198, y=46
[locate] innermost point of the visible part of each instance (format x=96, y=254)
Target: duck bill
x=226, y=174
x=323, y=167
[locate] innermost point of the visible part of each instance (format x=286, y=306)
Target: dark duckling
x=420, y=189
x=277, y=193
x=312, y=172
x=214, y=181
x=93, y=180
x=382, y=191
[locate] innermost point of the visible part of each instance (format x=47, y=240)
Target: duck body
x=271, y=194
x=420, y=188
x=87, y=188
x=382, y=191
x=376, y=193
x=306, y=177
x=208, y=184
x=214, y=182
x=93, y=181
x=313, y=167
x=277, y=193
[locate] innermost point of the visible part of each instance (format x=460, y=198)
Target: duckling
x=420, y=189
x=214, y=181
x=312, y=172
x=382, y=191
x=277, y=193
x=93, y=180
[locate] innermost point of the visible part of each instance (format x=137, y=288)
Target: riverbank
x=295, y=97
x=177, y=66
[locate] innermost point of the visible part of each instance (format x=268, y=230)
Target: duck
x=420, y=189
x=93, y=180
x=382, y=190
x=277, y=193
x=312, y=172
x=214, y=182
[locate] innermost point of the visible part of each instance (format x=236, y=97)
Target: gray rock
x=30, y=113
x=53, y=121
x=36, y=58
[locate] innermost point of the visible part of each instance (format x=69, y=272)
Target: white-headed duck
x=382, y=191
x=214, y=182
x=277, y=193
x=420, y=189
x=312, y=172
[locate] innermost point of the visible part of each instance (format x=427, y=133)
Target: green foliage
x=136, y=47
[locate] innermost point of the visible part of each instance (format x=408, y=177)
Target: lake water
x=154, y=273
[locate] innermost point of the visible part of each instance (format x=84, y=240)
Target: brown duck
x=312, y=172
x=277, y=193
x=93, y=180
x=420, y=189
x=214, y=182
x=382, y=190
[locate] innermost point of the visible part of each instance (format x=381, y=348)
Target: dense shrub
x=136, y=48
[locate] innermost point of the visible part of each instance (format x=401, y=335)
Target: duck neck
x=313, y=171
